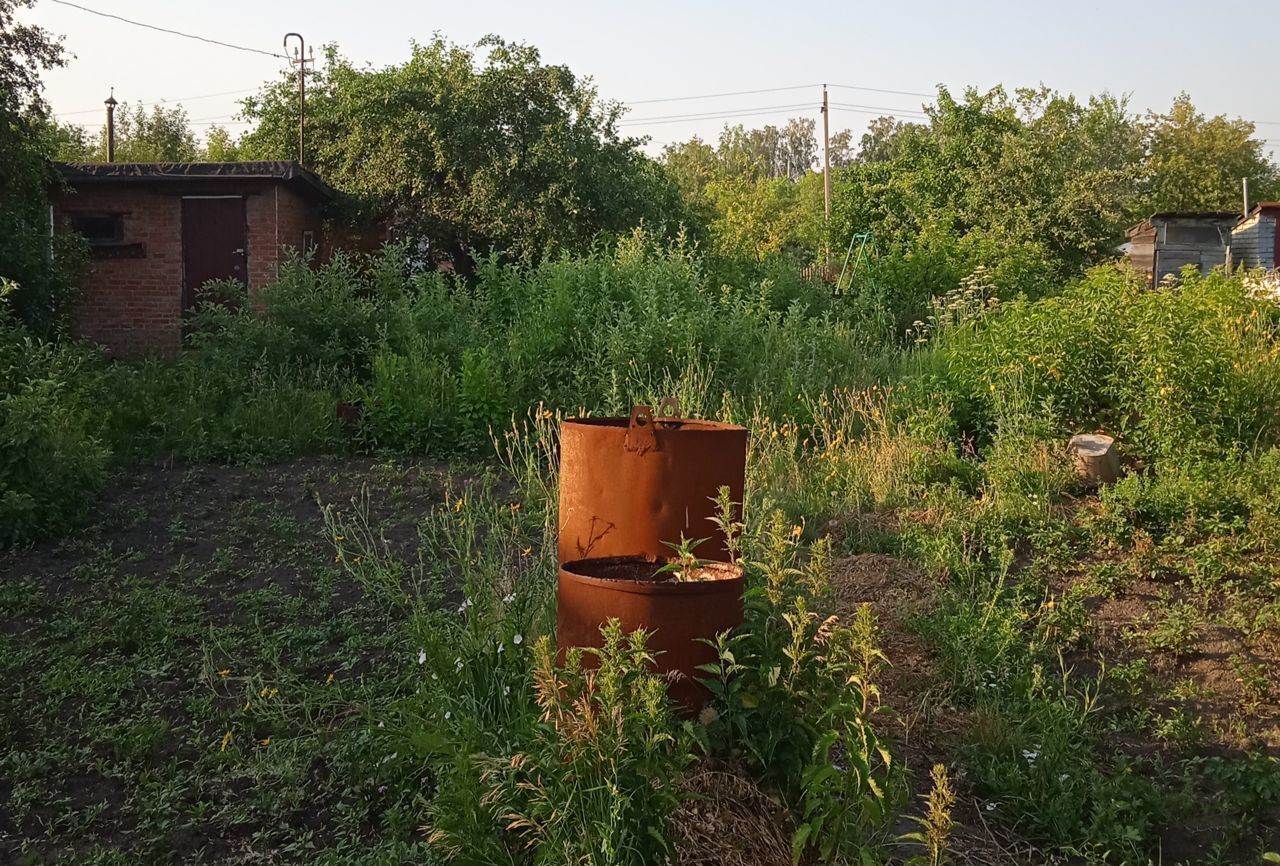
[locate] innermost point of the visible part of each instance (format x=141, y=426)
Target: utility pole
x=1244, y=184
x=826, y=175
x=111, y=104
x=301, y=58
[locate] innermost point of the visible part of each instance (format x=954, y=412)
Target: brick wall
x=133, y=305
x=277, y=218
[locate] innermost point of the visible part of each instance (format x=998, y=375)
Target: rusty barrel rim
x=718, y=586
x=661, y=424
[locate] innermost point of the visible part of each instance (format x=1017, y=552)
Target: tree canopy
x=471, y=149
x=162, y=134
x=1196, y=163
x=34, y=289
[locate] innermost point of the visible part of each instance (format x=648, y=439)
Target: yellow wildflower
x=226, y=738
x=457, y=505
x=329, y=680
x=266, y=742
x=224, y=673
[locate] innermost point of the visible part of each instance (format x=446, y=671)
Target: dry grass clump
x=729, y=821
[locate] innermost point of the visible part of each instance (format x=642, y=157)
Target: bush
x=51, y=454
x=1178, y=373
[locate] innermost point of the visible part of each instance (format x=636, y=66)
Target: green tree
x=40, y=271
x=1195, y=162
x=881, y=140
x=497, y=151
x=219, y=146
x=757, y=190
x=162, y=134
x=1038, y=169
x=68, y=142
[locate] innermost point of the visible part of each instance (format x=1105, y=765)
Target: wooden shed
x=1255, y=242
x=1165, y=243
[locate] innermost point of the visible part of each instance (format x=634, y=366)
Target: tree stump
x=1096, y=458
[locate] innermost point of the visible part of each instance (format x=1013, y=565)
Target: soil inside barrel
x=650, y=571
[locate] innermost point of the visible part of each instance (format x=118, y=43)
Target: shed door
x=213, y=244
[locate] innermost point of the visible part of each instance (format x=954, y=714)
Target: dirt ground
x=181, y=671
x=925, y=724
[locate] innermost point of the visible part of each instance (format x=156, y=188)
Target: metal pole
x=111, y=125
x=1244, y=184
x=301, y=59
x=826, y=174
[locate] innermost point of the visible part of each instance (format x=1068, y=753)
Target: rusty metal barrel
x=627, y=485
x=680, y=614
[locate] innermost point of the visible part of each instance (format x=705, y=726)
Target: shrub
x=51, y=453
x=1181, y=372
x=796, y=698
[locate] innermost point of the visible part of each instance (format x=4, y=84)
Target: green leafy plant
x=596, y=781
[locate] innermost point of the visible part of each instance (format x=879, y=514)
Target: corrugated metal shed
x=1166, y=242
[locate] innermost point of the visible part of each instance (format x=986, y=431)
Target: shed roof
x=1271, y=207
x=1148, y=224
x=291, y=173
x=1207, y=215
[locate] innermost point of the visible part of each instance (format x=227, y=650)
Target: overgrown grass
x=1066, y=621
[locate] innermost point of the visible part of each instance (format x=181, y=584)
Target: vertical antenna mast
x=301, y=58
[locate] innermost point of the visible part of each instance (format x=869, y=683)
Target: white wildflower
x=422, y=657
x=518, y=639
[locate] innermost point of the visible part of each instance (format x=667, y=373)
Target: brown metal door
x=213, y=244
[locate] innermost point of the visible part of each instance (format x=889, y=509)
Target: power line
x=170, y=32
x=718, y=95
x=707, y=115
x=882, y=90
x=162, y=100
x=879, y=109
x=726, y=116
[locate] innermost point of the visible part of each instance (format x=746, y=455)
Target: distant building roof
x=291, y=173
x=1268, y=206
x=1148, y=224
x=1196, y=215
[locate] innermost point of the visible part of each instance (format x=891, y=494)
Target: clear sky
x=1224, y=56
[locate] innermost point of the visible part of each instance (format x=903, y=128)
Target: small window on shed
x=308, y=242
x=100, y=228
x=1193, y=235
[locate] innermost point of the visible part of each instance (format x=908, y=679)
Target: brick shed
x=1255, y=242
x=157, y=232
